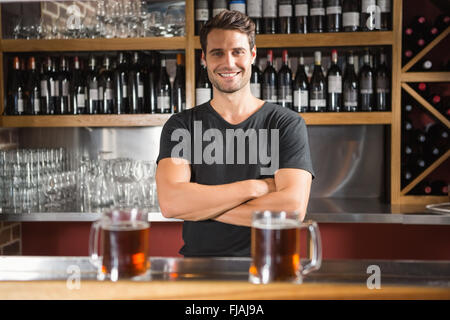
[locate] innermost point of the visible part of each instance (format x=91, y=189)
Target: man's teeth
x=227, y=75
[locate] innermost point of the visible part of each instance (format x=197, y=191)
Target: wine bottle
x=135, y=86
x=64, y=87
x=16, y=90
x=407, y=176
x=201, y=14
x=423, y=90
x=300, y=87
x=301, y=16
x=92, y=81
x=334, y=15
x=316, y=16
x=350, y=15
x=107, y=85
x=437, y=135
x=255, y=81
x=49, y=87
x=334, y=80
x=350, y=86
x=441, y=23
x=270, y=16
x=255, y=12
x=238, y=5
x=317, y=87
x=366, y=85
x=368, y=15
x=382, y=84
x=416, y=164
x=284, y=87
x=439, y=188
x=385, y=14
x=203, y=87
x=423, y=188
x=77, y=89
x=269, y=80
x=163, y=90
x=218, y=6
x=285, y=12
x=33, y=90
x=121, y=84
x=179, y=91
x=424, y=65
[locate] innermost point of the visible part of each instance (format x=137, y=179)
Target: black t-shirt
x=219, y=153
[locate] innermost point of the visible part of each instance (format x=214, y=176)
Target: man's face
x=229, y=60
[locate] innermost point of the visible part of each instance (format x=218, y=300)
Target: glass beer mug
x=276, y=247
x=124, y=241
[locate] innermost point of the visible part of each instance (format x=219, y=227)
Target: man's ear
x=203, y=57
x=253, y=54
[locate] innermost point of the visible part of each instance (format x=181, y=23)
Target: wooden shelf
x=156, y=43
x=346, y=118
x=320, y=39
x=125, y=120
x=425, y=77
x=421, y=200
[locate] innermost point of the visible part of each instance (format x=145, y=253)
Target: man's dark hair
x=229, y=20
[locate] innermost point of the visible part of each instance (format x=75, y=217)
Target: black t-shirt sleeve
x=173, y=133
x=294, y=145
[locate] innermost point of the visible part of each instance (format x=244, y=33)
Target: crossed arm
x=231, y=203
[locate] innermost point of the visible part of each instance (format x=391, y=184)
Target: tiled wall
x=58, y=10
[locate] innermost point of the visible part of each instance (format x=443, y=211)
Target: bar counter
x=27, y=277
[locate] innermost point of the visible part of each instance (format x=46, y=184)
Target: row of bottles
x=118, y=86
x=337, y=91
x=437, y=99
x=303, y=16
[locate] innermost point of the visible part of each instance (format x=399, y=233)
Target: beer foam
x=127, y=226
x=275, y=224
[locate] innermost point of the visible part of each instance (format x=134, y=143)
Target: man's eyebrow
x=219, y=49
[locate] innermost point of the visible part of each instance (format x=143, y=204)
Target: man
x=223, y=160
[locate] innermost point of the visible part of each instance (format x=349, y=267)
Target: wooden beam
x=426, y=77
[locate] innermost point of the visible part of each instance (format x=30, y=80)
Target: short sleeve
x=294, y=145
x=175, y=139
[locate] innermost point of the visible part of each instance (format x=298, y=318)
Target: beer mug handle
x=316, y=259
x=93, y=244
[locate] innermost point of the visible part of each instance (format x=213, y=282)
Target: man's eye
x=217, y=54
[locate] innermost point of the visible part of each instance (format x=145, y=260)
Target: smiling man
x=223, y=160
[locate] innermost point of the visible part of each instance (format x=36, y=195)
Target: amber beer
x=275, y=250
x=125, y=248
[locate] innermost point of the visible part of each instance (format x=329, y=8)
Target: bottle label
x=351, y=98
x=254, y=9
x=65, y=88
x=366, y=91
x=350, y=19
x=334, y=10
x=20, y=105
x=108, y=94
x=202, y=95
x=366, y=4
x=216, y=11
x=44, y=88
x=140, y=91
x=285, y=10
x=201, y=14
x=124, y=91
x=80, y=100
x=335, y=84
x=269, y=94
x=163, y=103
x=300, y=98
x=301, y=10
x=317, y=103
x=385, y=5
x=54, y=88
x=37, y=105
x=255, y=88
x=383, y=90
x=93, y=94
x=238, y=7
x=317, y=12
x=285, y=94
x=366, y=86
x=270, y=9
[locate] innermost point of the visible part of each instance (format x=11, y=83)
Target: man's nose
x=229, y=60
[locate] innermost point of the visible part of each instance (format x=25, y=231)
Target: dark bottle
x=135, y=86
x=441, y=23
x=439, y=188
x=16, y=90
x=300, y=88
x=64, y=87
x=334, y=15
x=423, y=90
x=121, y=84
x=334, y=84
x=284, y=87
x=218, y=6
x=255, y=81
x=163, y=90
x=285, y=12
x=437, y=135
x=422, y=188
x=317, y=86
x=382, y=84
x=238, y=5
x=77, y=89
x=201, y=14
x=416, y=164
x=49, y=88
x=255, y=12
x=270, y=16
x=179, y=85
x=107, y=88
x=150, y=85
x=33, y=89
x=269, y=80
x=350, y=86
x=420, y=34
x=92, y=81
x=316, y=16
x=366, y=85
x=424, y=65
x=203, y=87
x=350, y=15
x=301, y=16
x=368, y=15
x=385, y=14
x=407, y=176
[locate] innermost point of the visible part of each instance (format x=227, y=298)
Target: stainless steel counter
x=424, y=273
x=325, y=210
